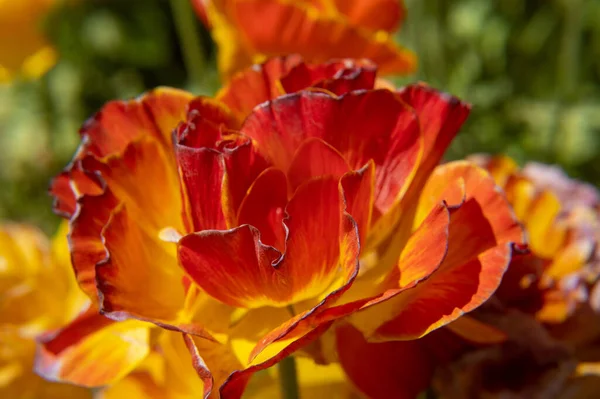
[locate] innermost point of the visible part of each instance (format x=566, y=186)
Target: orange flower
x=317, y=29
x=25, y=49
x=28, y=264
x=546, y=303
x=272, y=211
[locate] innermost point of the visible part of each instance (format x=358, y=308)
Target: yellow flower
x=29, y=264
x=24, y=50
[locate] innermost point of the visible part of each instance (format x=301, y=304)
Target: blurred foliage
x=530, y=67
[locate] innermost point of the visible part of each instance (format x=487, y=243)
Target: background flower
x=25, y=52
x=546, y=302
x=32, y=272
x=317, y=30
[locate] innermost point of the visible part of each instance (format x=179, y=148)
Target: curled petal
x=85, y=238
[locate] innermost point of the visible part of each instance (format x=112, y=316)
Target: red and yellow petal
x=93, y=351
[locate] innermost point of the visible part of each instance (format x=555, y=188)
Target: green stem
x=288, y=378
x=189, y=39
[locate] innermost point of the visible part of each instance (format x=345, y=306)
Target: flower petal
x=93, y=350
x=290, y=27
x=85, y=238
x=399, y=369
x=145, y=179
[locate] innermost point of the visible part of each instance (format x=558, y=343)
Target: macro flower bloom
x=303, y=194
x=547, y=303
x=318, y=30
x=25, y=51
x=29, y=266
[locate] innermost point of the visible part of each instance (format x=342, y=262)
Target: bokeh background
x=530, y=67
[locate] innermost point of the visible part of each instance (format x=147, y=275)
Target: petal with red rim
x=243, y=164
x=93, y=350
x=85, y=238
x=399, y=369
x=65, y=201
x=119, y=123
x=315, y=36
x=234, y=267
x=337, y=77
x=440, y=116
x=482, y=234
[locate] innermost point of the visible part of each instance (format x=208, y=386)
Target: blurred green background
x=530, y=67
